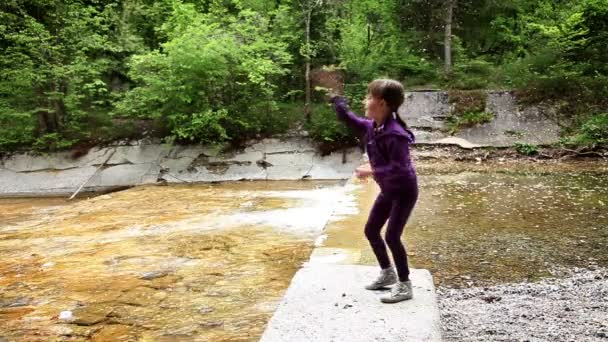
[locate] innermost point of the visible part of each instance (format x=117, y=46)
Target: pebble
x=153, y=275
x=66, y=316
x=554, y=309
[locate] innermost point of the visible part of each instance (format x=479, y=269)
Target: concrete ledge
x=327, y=302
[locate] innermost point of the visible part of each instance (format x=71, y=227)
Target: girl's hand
x=364, y=171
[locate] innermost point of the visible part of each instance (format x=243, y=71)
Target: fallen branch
x=581, y=153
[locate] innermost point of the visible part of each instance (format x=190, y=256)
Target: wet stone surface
x=177, y=263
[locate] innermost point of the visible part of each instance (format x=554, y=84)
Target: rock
x=153, y=275
x=491, y=298
x=219, y=294
x=164, y=282
x=182, y=331
x=211, y=324
x=15, y=302
x=15, y=313
x=91, y=315
x=66, y=316
x=142, y=296
x=62, y=330
x=115, y=332
x=205, y=310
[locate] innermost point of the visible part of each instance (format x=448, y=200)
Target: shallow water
x=493, y=228
x=178, y=263
x=490, y=228
x=211, y=262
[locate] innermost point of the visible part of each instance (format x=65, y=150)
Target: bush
x=52, y=142
x=16, y=130
x=468, y=109
x=468, y=119
x=213, y=80
x=471, y=74
x=326, y=130
x=593, y=132
x=526, y=149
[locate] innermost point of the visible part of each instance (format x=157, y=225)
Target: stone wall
x=427, y=111
x=145, y=163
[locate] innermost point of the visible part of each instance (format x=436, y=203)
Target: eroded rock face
x=140, y=163
x=426, y=113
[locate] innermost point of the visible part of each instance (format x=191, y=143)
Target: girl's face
x=375, y=108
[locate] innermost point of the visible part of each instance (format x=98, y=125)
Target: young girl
x=387, y=140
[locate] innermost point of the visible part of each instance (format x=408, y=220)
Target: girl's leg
x=377, y=217
x=401, y=209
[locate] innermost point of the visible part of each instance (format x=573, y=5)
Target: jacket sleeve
x=396, y=148
x=344, y=114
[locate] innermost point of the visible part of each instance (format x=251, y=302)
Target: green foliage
x=327, y=130
x=373, y=45
x=467, y=101
x=468, y=109
x=593, y=132
x=472, y=74
x=212, y=78
x=468, y=119
x=52, y=142
x=526, y=149
x=209, y=71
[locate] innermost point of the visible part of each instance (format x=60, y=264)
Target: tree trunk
x=46, y=120
x=447, y=44
x=307, y=72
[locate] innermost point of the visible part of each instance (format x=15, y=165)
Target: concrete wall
x=427, y=111
x=144, y=163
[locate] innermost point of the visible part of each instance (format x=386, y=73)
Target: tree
x=450, y=4
x=307, y=50
x=213, y=78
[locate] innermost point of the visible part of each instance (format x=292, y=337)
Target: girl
x=387, y=140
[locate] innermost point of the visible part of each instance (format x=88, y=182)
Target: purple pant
x=396, y=208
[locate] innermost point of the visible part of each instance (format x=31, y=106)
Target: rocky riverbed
x=570, y=307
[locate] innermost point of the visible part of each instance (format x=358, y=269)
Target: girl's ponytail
x=399, y=120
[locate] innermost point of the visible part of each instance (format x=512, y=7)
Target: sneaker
x=401, y=291
x=387, y=277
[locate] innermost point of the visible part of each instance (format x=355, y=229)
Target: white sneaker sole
x=380, y=286
x=392, y=300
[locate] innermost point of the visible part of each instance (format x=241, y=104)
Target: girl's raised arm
x=358, y=124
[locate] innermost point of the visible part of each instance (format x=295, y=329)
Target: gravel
x=572, y=308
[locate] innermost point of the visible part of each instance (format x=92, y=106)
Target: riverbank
x=127, y=164
x=572, y=307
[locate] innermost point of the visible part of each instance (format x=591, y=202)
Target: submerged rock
x=14, y=302
x=142, y=296
x=153, y=275
x=91, y=315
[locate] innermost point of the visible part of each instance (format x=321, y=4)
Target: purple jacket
x=387, y=148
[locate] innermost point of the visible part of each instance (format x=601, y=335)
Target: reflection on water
x=486, y=228
x=489, y=228
x=179, y=263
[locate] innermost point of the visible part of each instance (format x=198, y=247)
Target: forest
x=76, y=73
